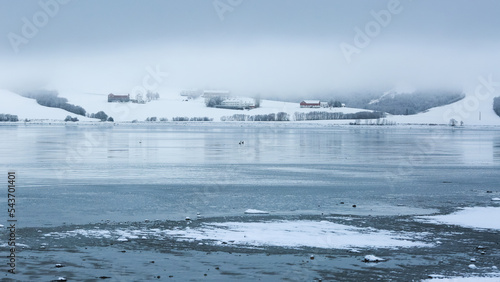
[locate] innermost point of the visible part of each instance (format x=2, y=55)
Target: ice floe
x=472, y=217
x=301, y=233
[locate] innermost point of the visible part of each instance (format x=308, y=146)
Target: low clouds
x=259, y=47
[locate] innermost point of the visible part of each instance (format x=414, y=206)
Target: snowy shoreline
x=264, y=124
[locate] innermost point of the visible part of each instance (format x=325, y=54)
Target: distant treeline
x=282, y=116
x=333, y=116
x=192, y=119
x=51, y=99
x=496, y=105
x=163, y=119
x=7, y=117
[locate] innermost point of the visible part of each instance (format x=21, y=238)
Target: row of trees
x=154, y=119
x=150, y=96
x=281, y=116
x=496, y=105
x=51, y=99
x=334, y=116
x=7, y=117
x=192, y=119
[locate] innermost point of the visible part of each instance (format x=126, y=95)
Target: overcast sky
x=248, y=46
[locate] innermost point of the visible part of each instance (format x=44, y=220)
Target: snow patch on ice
x=302, y=233
x=284, y=233
x=472, y=217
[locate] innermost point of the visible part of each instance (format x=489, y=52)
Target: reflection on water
x=108, y=178
x=130, y=148
x=496, y=149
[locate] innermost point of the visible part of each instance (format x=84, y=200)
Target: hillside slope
x=463, y=110
x=26, y=108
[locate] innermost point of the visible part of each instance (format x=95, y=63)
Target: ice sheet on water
x=473, y=217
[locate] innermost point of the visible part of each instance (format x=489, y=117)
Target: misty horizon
x=250, y=48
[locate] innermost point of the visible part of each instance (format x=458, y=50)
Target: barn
x=310, y=104
x=118, y=98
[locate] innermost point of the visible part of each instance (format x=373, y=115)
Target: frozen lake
x=84, y=193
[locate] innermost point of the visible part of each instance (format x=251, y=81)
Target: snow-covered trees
x=496, y=105
x=51, y=99
x=257, y=102
x=152, y=96
x=282, y=116
x=69, y=118
x=214, y=101
x=334, y=104
x=7, y=117
x=100, y=115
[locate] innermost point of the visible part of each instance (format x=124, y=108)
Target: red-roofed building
x=310, y=104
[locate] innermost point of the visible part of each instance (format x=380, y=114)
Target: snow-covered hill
x=165, y=107
x=177, y=106
x=471, y=110
x=25, y=108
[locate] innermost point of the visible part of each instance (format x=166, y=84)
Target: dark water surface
x=108, y=178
